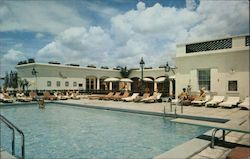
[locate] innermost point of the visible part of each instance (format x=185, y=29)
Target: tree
x=6, y=80
x=124, y=71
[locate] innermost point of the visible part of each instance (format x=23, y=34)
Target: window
x=58, y=83
x=66, y=83
x=232, y=86
x=48, y=83
x=80, y=85
x=247, y=43
x=204, y=79
x=74, y=84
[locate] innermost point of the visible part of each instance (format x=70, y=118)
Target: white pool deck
x=196, y=148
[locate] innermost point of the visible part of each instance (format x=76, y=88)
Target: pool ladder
x=14, y=129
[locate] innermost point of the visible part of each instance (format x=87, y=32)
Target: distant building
x=90, y=79
x=221, y=66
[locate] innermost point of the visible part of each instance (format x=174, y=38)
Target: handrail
x=12, y=126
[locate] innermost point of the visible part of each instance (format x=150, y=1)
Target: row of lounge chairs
x=118, y=96
x=221, y=101
x=20, y=97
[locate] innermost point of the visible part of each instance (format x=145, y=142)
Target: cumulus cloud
x=10, y=59
x=37, y=16
x=78, y=45
x=149, y=32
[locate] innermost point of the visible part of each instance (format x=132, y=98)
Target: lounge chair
x=110, y=94
x=245, y=104
x=117, y=94
x=22, y=98
x=201, y=102
x=60, y=96
x=125, y=95
x=139, y=98
x=230, y=102
x=74, y=96
x=131, y=98
x=155, y=97
x=215, y=101
x=48, y=96
x=33, y=95
x=5, y=99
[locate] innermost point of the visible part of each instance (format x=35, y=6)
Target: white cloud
x=151, y=32
x=78, y=45
x=38, y=16
x=10, y=59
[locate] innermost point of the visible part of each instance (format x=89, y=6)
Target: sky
x=112, y=32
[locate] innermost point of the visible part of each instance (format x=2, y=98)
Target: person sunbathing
x=183, y=97
x=201, y=96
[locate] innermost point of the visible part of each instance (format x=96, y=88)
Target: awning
x=111, y=79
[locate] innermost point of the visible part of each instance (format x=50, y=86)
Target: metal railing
x=13, y=128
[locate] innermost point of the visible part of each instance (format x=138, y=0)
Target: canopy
x=126, y=80
x=111, y=79
x=160, y=79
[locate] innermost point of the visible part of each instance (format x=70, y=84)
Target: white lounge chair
x=5, y=100
x=230, y=102
x=201, y=102
x=215, y=101
x=131, y=98
x=155, y=97
x=245, y=104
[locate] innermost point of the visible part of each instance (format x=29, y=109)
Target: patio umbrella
x=111, y=79
x=126, y=80
x=147, y=79
x=160, y=79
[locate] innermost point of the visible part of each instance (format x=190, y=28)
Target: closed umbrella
x=126, y=80
x=147, y=79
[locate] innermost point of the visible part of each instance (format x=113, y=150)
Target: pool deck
x=196, y=148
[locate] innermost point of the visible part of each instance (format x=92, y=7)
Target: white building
x=221, y=66
x=65, y=77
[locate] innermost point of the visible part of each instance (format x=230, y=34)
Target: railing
x=13, y=128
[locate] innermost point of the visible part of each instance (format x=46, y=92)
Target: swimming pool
x=62, y=131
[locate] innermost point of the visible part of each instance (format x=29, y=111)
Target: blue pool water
x=74, y=132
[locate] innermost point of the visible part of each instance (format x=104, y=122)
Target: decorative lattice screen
x=210, y=45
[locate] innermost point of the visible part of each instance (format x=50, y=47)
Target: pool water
x=60, y=131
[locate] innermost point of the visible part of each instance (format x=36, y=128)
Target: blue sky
x=112, y=32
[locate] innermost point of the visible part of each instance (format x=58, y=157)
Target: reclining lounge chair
x=231, y=101
x=131, y=98
x=215, y=101
x=201, y=102
x=245, y=104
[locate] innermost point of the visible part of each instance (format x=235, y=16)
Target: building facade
x=221, y=66
x=64, y=77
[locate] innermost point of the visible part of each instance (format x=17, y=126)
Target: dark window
x=80, y=85
x=210, y=45
x=204, y=79
x=247, y=40
x=66, y=83
x=232, y=86
x=58, y=83
x=48, y=83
